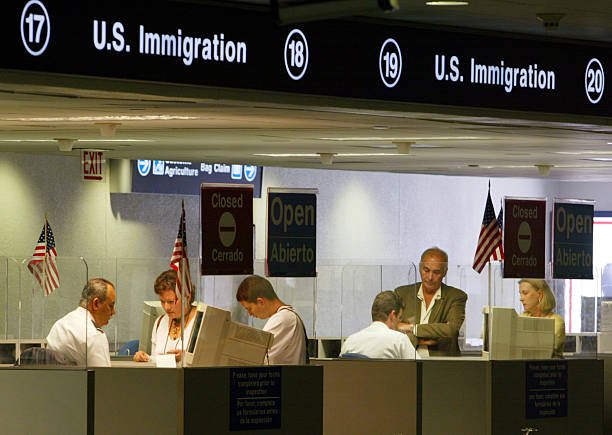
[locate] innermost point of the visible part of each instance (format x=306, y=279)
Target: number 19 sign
x=390, y=63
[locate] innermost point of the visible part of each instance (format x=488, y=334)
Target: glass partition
x=36, y=298
x=158, y=325
x=586, y=305
x=334, y=305
x=576, y=312
x=483, y=289
x=360, y=286
x=28, y=315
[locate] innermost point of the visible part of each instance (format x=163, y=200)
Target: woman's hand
x=141, y=356
x=177, y=354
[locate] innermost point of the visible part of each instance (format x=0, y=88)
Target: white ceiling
x=198, y=124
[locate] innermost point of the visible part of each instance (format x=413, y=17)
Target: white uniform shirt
x=161, y=342
x=379, y=341
x=75, y=336
x=289, y=345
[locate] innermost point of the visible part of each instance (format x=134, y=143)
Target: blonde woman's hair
x=547, y=302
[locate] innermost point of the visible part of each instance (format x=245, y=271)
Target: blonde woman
x=539, y=301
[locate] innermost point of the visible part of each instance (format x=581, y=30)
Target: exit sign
x=93, y=165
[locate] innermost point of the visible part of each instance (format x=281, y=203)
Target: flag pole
x=489, y=273
x=44, y=264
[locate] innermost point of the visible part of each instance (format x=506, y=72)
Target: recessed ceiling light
x=79, y=140
x=447, y=3
x=393, y=146
x=318, y=154
x=581, y=153
x=403, y=139
x=104, y=118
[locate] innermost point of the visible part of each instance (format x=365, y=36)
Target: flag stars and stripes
x=490, y=245
x=43, y=264
x=180, y=261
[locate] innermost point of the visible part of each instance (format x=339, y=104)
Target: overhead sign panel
x=227, y=229
x=524, y=238
x=573, y=239
x=292, y=233
x=197, y=44
x=185, y=178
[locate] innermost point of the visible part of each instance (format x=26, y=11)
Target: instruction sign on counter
x=255, y=398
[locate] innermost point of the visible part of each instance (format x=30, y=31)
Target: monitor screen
x=510, y=336
x=151, y=310
x=218, y=341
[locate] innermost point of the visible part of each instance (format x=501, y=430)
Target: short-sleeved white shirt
x=379, y=341
x=76, y=337
x=289, y=345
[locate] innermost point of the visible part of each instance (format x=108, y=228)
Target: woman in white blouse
x=168, y=335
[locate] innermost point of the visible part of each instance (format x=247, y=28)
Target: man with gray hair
x=434, y=311
x=78, y=335
x=381, y=339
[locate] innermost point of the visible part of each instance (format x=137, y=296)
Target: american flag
x=500, y=223
x=43, y=265
x=490, y=241
x=179, y=260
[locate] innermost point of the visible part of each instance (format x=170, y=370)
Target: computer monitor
x=151, y=310
x=218, y=341
x=509, y=336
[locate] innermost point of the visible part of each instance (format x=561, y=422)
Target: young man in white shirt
x=258, y=297
x=382, y=339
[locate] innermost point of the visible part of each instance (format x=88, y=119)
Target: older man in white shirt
x=78, y=335
x=382, y=339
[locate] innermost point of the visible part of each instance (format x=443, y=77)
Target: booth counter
x=470, y=396
x=464, y=396
x=140, y=399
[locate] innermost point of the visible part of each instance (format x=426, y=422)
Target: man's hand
x=428, y=342
x=405, y=327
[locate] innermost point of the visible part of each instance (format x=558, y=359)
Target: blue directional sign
x=573, y=239
x=144, y=167
x=250, y=172
x=185, y=178
x=292, y=233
